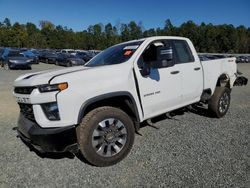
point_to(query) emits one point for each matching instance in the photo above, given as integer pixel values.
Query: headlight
(54, 87)
(51, 110)
(29, 60)
(12, 61)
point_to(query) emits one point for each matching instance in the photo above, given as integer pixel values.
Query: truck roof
(157, 38)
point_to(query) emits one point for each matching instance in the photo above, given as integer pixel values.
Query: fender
(107, 96)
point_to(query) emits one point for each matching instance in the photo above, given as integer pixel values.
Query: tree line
(207, 38)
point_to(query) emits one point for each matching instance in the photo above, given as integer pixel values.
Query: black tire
(86, 135)
(69, 64)
(219, 103)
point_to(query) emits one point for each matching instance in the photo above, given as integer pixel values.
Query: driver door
(160, 90)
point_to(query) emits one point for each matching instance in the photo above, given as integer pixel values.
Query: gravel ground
(190, 150)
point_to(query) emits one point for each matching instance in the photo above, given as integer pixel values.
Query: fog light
(51, 111)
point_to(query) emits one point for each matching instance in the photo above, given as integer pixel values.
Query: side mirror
(165, 53)
(165, 56)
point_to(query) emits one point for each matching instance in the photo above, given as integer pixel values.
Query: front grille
(27, 111)
(24, 90)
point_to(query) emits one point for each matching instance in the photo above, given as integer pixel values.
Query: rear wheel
(220, 101)
(105, 136)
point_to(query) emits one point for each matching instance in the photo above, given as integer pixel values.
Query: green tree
(125, 34)
(168, 27)
(134, 30)
(149, 33)
(206, 37)
(6, 22)
(31, 28)
(190, 30)
(44, 24)
(21, 35)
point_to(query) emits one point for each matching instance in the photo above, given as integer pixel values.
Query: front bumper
(19, 65)
(61, 139)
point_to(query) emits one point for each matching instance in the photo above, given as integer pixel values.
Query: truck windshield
(115, 54)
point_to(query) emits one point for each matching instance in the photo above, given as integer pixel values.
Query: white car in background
(69, 51)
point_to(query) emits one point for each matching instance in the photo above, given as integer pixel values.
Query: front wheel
(220, 101)
(105, 136)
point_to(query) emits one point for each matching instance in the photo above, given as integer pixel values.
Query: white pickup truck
(97, 108)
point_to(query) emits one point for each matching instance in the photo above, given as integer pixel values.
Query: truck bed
(213, 69)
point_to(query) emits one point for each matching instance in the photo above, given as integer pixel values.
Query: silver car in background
(17, 60)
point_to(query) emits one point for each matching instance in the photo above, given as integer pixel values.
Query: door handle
(175, 72)
(197, 68)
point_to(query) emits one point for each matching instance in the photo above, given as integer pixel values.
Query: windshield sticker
(128, 53)
(134, 47)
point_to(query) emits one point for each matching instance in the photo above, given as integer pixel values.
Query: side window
(182, 51)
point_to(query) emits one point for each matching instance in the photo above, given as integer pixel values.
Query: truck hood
(44, 77)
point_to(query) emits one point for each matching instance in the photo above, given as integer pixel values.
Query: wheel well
(223, 81)
(124, 103)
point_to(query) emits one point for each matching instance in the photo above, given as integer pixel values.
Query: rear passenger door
(190, 70)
